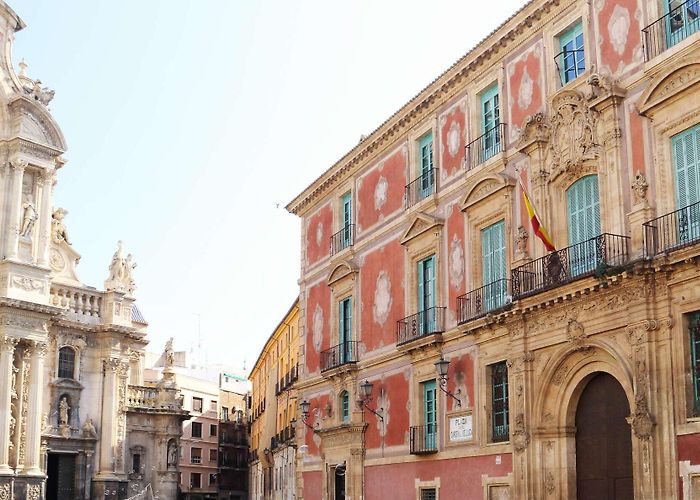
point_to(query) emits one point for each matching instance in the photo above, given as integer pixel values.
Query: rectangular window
(345, 329)
(196, 429)
(212, 479)
(428, 494)
(427, 320)
(212, 429)
(195, 480)
(683, 19)
(571, 60)
(493, 265)
(427, 176)
(197, 405)
(686, 159)
(429, 415)
(345, 406)
(499, 402)
(694, 325)
(212, 455)
(224, 414)
(490, 122)
(212, 405)
(136, 463)
(346, 237)
(196, 455)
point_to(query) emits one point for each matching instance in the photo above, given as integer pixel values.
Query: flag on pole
(537, 226)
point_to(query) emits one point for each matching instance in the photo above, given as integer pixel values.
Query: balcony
(423, 439)
(341, 354)
(484, 300)
(672, 231)
(343, 239)
(421, 188)
(671, 29)
(570, 65)
(419, 325)
(588, 258)
(485, 146)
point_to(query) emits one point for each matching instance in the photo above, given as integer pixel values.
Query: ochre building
(446, 353)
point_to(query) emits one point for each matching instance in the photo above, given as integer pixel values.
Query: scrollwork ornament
(34, 492)
(521, 437)
(8, 344)
(5, 491)
(18, 165)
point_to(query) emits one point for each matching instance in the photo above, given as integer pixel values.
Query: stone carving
(89, 429)
(521, 241)
(63, 409)
(121, 272)
(560, 374)
(521, 437)
(549, 483)
(572, 132)
(535, 128)
(34, 492)
(59, 232)
(7, 344)
(29, 216)
(26, 283)
(639, 189)
(172, 454)
(575, 333)
(169, 354)
(44, 95)
(675, 82)
(5, 491)
(18, 165)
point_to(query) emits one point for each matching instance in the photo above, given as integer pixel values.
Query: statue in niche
(63, 410)
(29, 216)
(172, 454)
(59, 232)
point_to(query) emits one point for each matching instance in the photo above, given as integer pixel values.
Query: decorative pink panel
(452, 126)
(313, 485)
(318, 320)
(380, 192)
(382, 295)
(455, 259)
(619, 34)
(637, 135)
(317, 411)
(391, 394)
(318, 234)
(525, 87)
(461, 377)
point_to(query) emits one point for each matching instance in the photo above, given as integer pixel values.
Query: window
(584, 223)
(570, 60)
(499, 402)
(490, 122)
(346, 212)
(196, 455)
(345, 329)
(428, 494)
(212, 429)
(429, 391)
(694, 324)
(493, 264)
(427, 174)
(224, 414)
(345, 406)
(136, 463)
(683, 19)
(196, 429)
(197, 405)
(686, 158)
(195, 480)
(212, 455)
(66, 362)
(426, 296)
(212, 405)
(212, 479)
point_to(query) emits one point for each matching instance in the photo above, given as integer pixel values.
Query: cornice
(427, 100)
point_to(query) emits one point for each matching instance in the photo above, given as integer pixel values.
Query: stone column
(7, 348)
(17, 166)
(46, 180)
(32, 461)
(108, 421)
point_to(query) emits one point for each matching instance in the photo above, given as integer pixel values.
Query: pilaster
(7, 349)
(44, 241)
(17, 167)
(33, 430)
(108, 421)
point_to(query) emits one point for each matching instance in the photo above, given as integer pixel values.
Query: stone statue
(58, 228)
(129, 266)
(521, 241)
(121, 272)
(29, 217)
(639, 189)
(169, 353)
(172, 454)
(42, 94)
(63, 411)
(89, 428)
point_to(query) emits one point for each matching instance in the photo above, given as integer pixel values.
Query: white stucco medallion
(382, 298)
(453, 138)
(526, 90)
(317, 327)
(380, 193)
(456, 263)
(618, 28)
(319, 233)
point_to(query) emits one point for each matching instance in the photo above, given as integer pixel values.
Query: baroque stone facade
(552, 355)
(76, 420)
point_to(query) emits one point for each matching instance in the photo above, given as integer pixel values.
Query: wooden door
(603, 442)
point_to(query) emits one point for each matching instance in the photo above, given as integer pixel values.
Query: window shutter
(430, 282)
(421, 296)
(348, 324)
(341, 322)
(686, 148)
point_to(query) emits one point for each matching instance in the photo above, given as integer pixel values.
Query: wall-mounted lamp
(366, 396)
(441, 366)
(305, 406)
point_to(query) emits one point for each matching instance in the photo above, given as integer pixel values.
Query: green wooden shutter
(493, 258)
(583, 213)
(686, 152)
(490, 119)
(341, 322)
(421, 282)
(427, 178)
(430, 414)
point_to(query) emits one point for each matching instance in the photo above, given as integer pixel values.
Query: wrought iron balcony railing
(427, 322)
(570, 65)
(678, 229)
(421, 188)
(589, 257)
(674, 27)
(485, 146)
(343, 239)
(481, 301)
(339, 355)
(424, 439)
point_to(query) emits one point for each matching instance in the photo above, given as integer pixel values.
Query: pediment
(35, 123)
(421, 224)
(343, 270)
(676, 80)
(67, 383)
(482, 186)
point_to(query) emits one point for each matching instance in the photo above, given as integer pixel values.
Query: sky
(191, 124)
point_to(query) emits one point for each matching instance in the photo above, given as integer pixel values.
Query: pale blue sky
(188, 122)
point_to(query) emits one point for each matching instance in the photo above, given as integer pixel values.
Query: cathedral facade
(76, 419)
(499, 285)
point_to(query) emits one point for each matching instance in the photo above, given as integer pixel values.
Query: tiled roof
(136, 315)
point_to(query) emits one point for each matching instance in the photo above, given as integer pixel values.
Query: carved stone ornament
(18, 164)
(535, 129)
(575, 333)
(521, 241)
(34, 492)
(7, 344)
(639, 189)
(121, 272)
(642, 423)
(521, 437)
(59, 232)
(573, 138)
(5, 491)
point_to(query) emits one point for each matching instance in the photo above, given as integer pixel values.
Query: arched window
(66, 362)
(345, 406)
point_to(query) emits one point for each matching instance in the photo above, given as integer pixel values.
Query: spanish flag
(537, 226)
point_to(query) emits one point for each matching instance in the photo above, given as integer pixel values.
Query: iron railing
(421, 188)
(485, 146)
(339, 355)
(570, 65)
(287, 380)
(672, 28)
(427, 322)
(343, 239)
(672, 231)
(593, 256)
(695, 362)
(424, 439)
(481, 301)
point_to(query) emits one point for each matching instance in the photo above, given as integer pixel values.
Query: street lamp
(366, 396)
(305, 406)
(441, 366)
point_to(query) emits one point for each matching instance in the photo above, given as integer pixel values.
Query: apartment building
(232, 480)
(499, 285)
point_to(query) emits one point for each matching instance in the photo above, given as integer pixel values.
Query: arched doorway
(603, 441)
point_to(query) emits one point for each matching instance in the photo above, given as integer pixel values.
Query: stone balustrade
(153, 398)
(83, 303)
